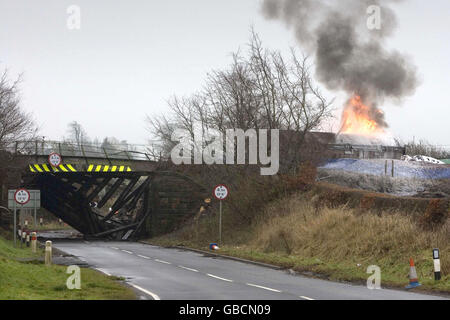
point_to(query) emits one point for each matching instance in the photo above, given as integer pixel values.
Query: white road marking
(213, 276)
(306, 298)
(154, 296)
(103, 271)
(186, 268)
(162, 261)
(261, 287)
(145, 257)
(114, 248)
(129, 252)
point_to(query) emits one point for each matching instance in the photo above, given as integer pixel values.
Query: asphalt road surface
(174, 274)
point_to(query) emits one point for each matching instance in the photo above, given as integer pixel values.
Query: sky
(129, 57)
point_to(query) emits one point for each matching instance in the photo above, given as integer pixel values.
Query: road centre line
(213, 276)
(186, 268)
(306, 298)
(129, 252)
(261, 287)
(162, 261)
(145, 257)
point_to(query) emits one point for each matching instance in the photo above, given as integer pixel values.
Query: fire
(357, 118)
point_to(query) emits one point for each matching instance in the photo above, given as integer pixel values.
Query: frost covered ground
(410, 178)
(402, 169)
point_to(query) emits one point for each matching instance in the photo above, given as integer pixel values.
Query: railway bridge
(108, 192)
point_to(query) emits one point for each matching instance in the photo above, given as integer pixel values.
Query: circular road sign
(221, 192)
(54, 159)
(22, 196)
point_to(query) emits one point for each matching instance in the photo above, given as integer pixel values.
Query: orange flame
(356, 119)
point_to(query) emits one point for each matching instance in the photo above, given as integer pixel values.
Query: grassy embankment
(300, 231)
(23, 277)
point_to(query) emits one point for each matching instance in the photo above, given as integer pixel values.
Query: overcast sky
(129, 57)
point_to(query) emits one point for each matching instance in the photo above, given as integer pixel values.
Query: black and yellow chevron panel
(106, 168)
(48, 168)
(42, 168)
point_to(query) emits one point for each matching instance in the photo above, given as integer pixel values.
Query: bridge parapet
(82, 155)
(73, 150)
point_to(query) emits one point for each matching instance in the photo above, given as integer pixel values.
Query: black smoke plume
(348, 55)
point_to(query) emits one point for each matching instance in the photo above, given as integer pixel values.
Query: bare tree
(77, 134)
(260, 90)
(15, 124)
(425, 148)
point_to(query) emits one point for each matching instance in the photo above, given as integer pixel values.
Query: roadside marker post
(48, 253)
(437, 265)
(220, 193)
(33, 242)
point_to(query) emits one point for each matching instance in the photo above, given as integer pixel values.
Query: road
(175, 274)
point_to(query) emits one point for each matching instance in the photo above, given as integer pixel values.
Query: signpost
(54, 159)
(23, 199)
(220, 193)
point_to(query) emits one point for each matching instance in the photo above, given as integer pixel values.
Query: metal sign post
(220, 193)
(23, 199)
(15, 226)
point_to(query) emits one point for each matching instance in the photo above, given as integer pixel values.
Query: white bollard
(33, 242)
(48, 253)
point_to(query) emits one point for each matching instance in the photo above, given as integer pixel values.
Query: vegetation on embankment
(304, 231)
(52, 226)
(24, 277)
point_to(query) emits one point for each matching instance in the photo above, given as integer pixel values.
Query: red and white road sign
(54, 159)
(22, 196)
(221, 192)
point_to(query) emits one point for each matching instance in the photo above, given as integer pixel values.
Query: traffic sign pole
(221, 193)
(220, 223)
(15, 227)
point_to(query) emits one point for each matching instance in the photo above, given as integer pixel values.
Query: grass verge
(33, 280)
